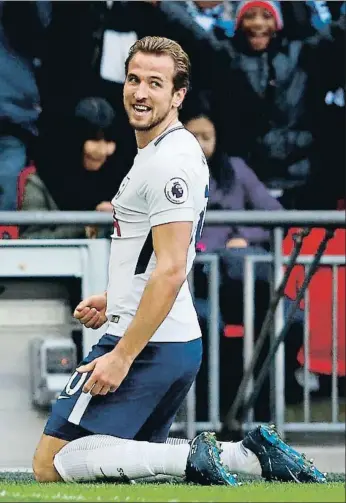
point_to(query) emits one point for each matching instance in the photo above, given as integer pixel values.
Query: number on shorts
(71, 390)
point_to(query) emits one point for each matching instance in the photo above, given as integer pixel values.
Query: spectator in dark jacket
(59, 163)
(81, 173)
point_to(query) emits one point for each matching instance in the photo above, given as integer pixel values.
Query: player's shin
(105, 457)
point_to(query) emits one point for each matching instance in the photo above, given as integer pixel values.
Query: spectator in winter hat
(259, 21)
(266, 109)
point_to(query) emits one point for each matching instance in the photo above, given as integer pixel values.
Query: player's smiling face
(149, 96)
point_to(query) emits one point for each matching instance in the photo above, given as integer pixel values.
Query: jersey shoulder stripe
(160, 138)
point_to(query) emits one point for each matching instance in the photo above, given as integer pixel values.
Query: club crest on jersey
(176, 191)
(122, 187)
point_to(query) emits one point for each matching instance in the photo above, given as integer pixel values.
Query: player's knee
(44, 472)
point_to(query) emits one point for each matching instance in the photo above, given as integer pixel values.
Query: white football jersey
(168, 182)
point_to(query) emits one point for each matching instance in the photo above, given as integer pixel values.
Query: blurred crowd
(267, 105)
(268, 82)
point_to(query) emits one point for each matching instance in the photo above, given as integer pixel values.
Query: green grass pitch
(250, 491)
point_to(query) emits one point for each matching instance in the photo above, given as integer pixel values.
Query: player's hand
(108, 372)
(91, 312)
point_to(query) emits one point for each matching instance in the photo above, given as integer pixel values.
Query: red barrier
(320, 295)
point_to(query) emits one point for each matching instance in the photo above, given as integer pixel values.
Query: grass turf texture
(168, 492)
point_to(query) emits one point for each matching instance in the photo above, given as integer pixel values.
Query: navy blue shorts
(142, 408)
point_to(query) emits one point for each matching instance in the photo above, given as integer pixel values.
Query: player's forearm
(156, 302)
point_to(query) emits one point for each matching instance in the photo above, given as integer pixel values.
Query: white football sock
(234, 455)
(104, 456)
(240, 459)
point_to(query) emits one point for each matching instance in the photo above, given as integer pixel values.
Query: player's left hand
(108, 372)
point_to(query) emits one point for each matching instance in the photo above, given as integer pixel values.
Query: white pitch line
(16, 470)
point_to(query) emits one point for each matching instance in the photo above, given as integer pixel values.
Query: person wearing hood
(76, 171)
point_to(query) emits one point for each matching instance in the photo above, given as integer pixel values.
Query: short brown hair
(162, 45)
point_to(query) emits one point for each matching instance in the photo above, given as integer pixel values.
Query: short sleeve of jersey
(169, 193)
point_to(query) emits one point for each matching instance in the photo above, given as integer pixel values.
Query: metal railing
(307, 425)
(277, 221)
(282, 218)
